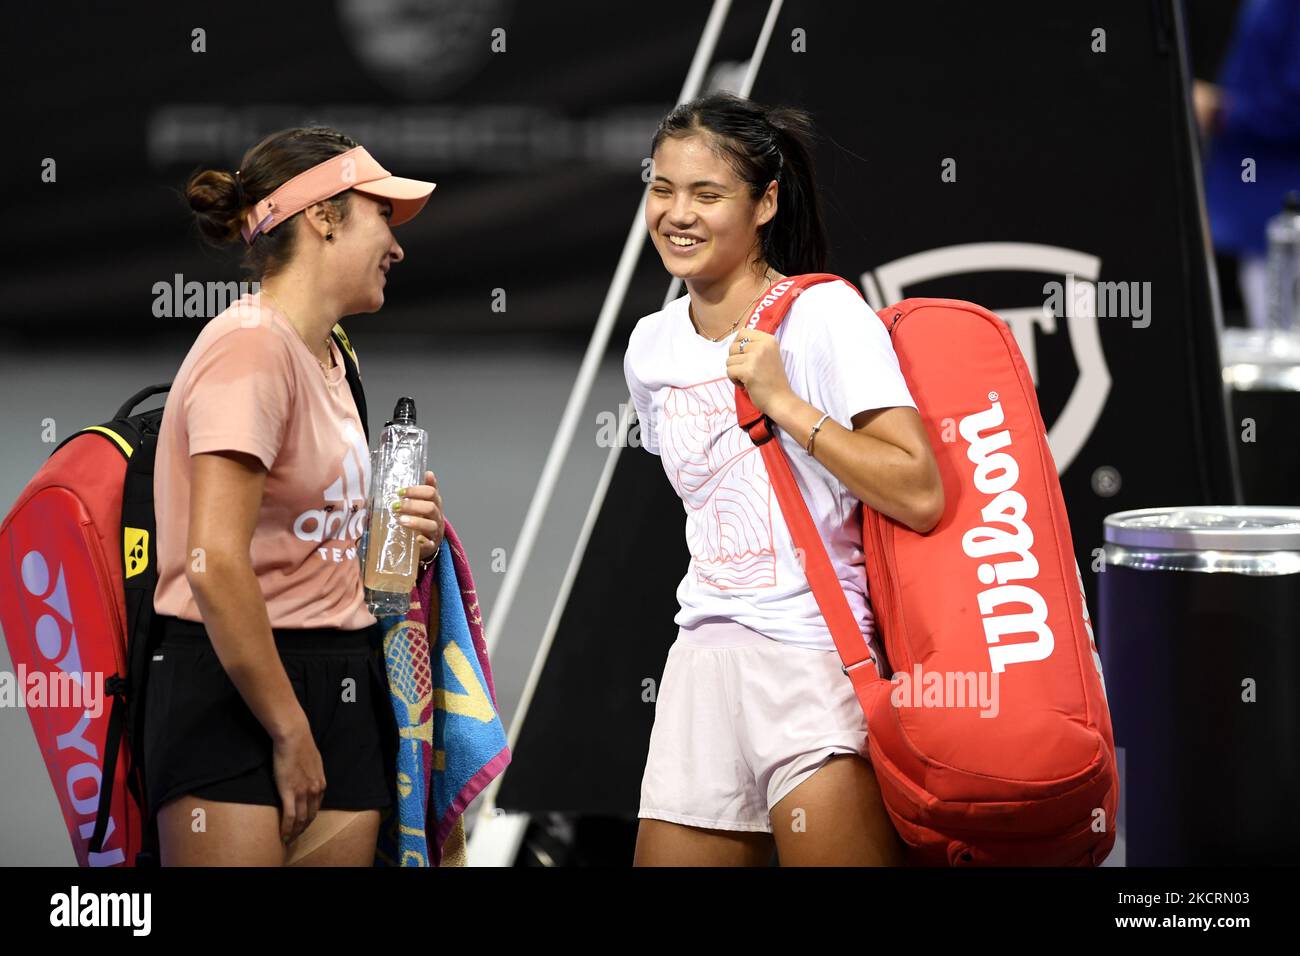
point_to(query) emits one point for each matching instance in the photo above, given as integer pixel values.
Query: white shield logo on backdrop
(1068, 434)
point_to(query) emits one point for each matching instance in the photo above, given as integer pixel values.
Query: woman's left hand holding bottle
(421, 509)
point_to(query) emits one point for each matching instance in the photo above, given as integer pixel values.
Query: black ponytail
(762, 144)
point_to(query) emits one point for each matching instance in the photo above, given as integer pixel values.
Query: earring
(329, 235)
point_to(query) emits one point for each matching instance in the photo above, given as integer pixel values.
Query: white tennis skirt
(741, 720)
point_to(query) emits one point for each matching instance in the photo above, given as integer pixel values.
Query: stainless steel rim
(1222, 528)
(1254, 563)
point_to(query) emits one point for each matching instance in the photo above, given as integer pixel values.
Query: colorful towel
(452, 742)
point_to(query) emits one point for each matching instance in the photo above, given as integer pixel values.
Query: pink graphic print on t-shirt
(720, 476)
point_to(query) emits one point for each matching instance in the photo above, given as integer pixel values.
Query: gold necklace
(690, 312)
(329, 351)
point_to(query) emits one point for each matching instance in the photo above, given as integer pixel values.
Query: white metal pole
(497, 835)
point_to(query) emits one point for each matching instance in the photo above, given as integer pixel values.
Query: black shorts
(200, 737)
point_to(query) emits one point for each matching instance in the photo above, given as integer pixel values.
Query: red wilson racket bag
(992, 743)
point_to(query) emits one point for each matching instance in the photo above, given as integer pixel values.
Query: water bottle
(1284, 266)
(390, 557)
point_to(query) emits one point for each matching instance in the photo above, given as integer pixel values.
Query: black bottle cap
(403, 412)
(1292, 203)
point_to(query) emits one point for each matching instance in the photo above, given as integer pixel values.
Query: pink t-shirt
(250, 384)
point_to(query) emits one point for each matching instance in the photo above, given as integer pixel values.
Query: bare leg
(836, 818)
(337, 838)
(197, 832)
(660, 843)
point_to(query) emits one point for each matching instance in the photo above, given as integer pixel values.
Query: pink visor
(355, 169)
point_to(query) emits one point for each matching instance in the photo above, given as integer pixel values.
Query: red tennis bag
(992, 742)
(69, 557)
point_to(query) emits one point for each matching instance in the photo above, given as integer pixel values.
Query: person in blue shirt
(1253, 114)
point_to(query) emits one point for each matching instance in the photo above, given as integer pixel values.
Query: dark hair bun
(215, 198)
(220, 199)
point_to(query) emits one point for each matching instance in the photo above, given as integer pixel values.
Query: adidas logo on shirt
(342, 517)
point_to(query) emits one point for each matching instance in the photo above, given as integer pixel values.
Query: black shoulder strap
(354, 376)
(140, 578)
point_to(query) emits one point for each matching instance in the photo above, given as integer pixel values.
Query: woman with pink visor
(268, 735)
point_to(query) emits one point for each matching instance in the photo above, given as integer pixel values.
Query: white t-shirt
(837, 357)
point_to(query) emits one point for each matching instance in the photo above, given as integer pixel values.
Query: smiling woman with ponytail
(759, 741)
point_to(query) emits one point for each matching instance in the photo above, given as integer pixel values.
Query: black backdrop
(1083, 160)
(536, 150)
